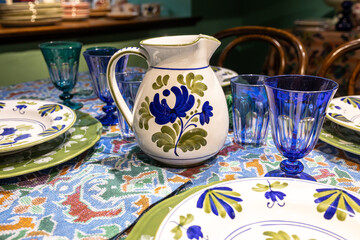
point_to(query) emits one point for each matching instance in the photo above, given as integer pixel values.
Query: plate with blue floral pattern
(84, 134)
(256, 208)
(345, 111)
(224, 75)
(26, 123)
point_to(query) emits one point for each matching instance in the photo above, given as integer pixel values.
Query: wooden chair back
(275, 37)
(336, 54)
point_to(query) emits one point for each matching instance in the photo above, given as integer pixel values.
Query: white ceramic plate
(265, 208)
(26, 123)
(224, 75)
(345, 111)
(41, 22)
(121, 16)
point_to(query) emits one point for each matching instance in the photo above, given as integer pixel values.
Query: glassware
(128, 83)
(62, 60)
(97, 60)
(298, 106)
(250, 109)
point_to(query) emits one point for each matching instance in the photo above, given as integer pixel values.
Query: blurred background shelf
(91, 26)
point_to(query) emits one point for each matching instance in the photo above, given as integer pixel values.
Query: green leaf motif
(193, 83)
(281, 235)
(144, 113)
(183, 221)
(2, 105)
(340, 117)
(49, 108)
(52, 130)
(165, 139)
(160, 82)
(333, 201)
(353, 101)
(193, 139)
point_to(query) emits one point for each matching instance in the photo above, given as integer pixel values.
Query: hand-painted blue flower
(220, 200)
(164, 114)
(206, 113)
(274, 195)
(21, 137)
(333, 200)
(194, 232)
(8, 131)
(21, 106)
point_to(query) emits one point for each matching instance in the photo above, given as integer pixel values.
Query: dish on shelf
(122, 15)
(345, 111)
(41, 11)
(340, 137)
(224, 75)
(27, 5)
(254, 208)
(31, 17)
(26, 123)
(82, 135)
(41, 22)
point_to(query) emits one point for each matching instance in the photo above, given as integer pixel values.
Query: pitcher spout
(208, 45)
(186, 51)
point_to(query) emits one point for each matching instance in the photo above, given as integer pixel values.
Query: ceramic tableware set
(73, 11)
(36, 134)
(342, 126)
(30, 14)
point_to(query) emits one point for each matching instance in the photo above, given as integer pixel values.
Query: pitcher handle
(112, 83)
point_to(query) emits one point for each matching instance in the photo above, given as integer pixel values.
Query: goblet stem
(292, 168)
(66, 98)
(110, 118)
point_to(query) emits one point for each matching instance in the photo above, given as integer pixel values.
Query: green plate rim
(64, 157)
(335, 142)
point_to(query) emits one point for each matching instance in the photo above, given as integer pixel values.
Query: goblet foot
(109, 119)
(66, 97)
(72, 105)
(280, 173)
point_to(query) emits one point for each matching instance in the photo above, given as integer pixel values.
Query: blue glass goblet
(297, 110)
(97, 60)
(62, 60)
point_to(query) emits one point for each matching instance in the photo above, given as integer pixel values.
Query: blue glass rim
(130, 73)
(271, 79)
(61, 45)
(100, 52)
(235, 80)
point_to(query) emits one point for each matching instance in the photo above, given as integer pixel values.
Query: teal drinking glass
(62, 60)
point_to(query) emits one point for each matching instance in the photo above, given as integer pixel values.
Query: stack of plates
(99, 12)
(35, 135)
(313, 24)
(342, 127)
(30, 14)
(76, 10)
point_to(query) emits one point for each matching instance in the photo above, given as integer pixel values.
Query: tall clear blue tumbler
(97, 60)
(297, 106)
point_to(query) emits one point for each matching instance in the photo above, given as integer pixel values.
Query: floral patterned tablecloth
(99, 194)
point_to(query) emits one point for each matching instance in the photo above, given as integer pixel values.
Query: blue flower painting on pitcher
(185, 132)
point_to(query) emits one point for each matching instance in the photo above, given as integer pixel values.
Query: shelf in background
(91, 26)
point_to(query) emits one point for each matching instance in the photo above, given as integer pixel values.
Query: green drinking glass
(62, 60)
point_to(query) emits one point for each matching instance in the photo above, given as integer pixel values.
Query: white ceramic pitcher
(180, 116)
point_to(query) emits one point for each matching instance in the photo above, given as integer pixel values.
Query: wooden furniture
(276, 37)
(338, 53)
(92, 26)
